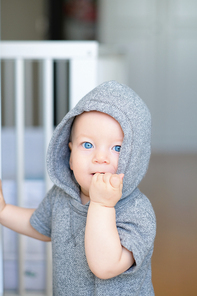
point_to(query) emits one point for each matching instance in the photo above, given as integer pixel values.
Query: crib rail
(82, 57)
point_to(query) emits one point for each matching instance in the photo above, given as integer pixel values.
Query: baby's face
(95, 147)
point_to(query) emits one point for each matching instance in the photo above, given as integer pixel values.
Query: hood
(124, 105)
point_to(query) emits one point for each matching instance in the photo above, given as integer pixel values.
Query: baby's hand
(106, 189)
(2, 201)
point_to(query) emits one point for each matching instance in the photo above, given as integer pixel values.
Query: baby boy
(101, 226)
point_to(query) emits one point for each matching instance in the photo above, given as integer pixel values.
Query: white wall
(160, 37)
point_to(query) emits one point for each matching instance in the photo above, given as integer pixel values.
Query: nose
(100, 157)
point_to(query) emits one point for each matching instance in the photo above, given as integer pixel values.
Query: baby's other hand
(106, 189)
(2, 201)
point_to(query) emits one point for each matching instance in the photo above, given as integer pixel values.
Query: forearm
(105, 255)
(18, 219)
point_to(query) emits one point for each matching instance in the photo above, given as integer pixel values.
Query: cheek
(115, 162)
(77, 162)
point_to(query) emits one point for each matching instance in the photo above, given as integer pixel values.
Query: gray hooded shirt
(62, 216)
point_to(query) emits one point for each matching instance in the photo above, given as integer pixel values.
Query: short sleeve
(42, 216)
(136, 224)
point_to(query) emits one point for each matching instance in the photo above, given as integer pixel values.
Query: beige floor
(171, 186)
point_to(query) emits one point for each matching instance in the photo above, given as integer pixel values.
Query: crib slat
(81, 71)
(8, 93)
(48, 128)
(19, 117)
(48, 107)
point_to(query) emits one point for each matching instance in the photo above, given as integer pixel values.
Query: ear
(70, 145)
(70, 160)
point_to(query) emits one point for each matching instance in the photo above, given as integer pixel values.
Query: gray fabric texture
(62, 217)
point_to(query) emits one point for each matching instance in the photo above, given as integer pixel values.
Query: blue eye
(117, 148)
(87, 145)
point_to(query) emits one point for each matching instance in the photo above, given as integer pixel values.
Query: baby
(95, 147)
(101, 226)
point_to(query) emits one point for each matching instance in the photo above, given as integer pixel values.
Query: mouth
(97, 173)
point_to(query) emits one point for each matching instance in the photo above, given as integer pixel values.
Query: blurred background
(151, 45)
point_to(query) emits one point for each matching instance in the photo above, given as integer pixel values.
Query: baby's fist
(106, 189)
(116, 180)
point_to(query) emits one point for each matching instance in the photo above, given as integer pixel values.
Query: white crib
(82, 59)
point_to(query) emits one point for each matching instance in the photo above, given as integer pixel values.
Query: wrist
(101, 204)
(98, 212)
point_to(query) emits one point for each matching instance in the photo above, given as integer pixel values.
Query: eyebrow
(89, 137)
